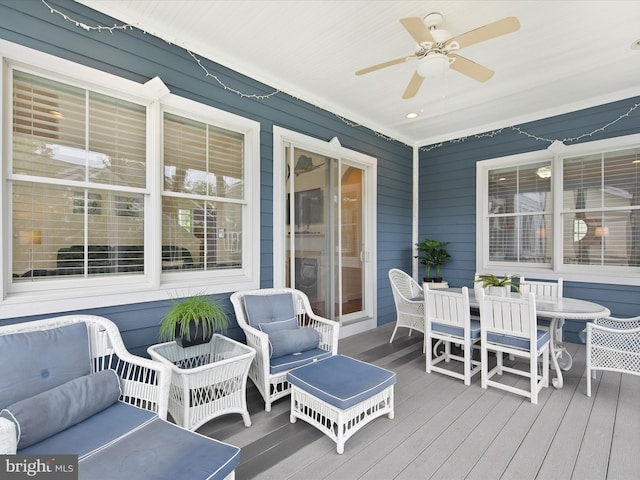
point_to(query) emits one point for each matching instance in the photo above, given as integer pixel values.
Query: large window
(118, 192)
(78, 182)
(573, 213)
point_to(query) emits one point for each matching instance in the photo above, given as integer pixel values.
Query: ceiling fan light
(433, 65)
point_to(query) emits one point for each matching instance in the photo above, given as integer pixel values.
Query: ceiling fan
(436, 47)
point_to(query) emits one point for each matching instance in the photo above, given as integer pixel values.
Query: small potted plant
(193, 320)
(432, 254)
(499, 286)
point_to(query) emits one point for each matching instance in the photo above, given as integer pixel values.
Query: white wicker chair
(408, 297)
(275, 386)
(613, 344)
(448, 319)
(509, 326)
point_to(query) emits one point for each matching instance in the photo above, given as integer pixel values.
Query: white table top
(568, 308)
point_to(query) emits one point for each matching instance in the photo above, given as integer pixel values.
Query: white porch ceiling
(566, 56)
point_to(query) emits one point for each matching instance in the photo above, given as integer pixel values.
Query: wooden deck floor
(444, 430)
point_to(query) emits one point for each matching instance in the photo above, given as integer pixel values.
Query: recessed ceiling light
(412, 115)
(502, 179)
(635, 45)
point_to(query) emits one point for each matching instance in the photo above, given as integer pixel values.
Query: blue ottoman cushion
(341, 381)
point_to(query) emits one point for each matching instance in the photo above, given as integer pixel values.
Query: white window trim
(555, 153)
(154, 285)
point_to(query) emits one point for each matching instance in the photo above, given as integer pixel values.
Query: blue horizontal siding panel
(448, 203)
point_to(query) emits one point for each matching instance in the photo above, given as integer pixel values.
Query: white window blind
(204, 199)
(519, 213)
(601, 209)
(78, 181)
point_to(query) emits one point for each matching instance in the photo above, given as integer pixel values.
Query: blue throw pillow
(286, 342)
(37, 361)
(271, 327)
(55, 410)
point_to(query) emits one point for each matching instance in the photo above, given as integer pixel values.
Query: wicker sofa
(69, 386)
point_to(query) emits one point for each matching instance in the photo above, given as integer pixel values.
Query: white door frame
(369, 164)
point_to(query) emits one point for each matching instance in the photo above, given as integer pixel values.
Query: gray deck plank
(443, 430)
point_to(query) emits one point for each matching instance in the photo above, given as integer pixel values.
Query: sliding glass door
(326, 252)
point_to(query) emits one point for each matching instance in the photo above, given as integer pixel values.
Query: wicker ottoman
(339, 395)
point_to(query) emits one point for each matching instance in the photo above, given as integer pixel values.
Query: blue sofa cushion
(341, 381)
(518, 342)
(123, 442)
(287, 362)
(101, 429)
(268, 308)
(457, 331)
(286, 342)
(271, 327)
(50, 412)
(33, 362)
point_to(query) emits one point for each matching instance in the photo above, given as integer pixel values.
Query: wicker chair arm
(328, 330)
(8, 437)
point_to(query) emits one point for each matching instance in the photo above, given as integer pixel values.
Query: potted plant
(432, 254)
(193, 320)
(499, 286)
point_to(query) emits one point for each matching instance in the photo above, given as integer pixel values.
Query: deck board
(443, 430)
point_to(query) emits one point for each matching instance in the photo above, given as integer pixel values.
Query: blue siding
(137, 56)
(447, 187)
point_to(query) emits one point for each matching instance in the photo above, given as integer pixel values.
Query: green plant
(200, 311)
(432, 254)
(490, 280)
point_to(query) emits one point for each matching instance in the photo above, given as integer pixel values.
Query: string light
(491, 134)
(536, 137)
(101, 28)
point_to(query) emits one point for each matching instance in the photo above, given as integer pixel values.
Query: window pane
(519, 211)
(202, 159)
(201, 235)
(48, 128)
(601, 209)
(49, 226)
(117, 134)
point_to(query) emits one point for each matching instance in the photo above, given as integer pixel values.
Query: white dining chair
(448, 320)
(613, 344)
(407, 295)
(509, 326)
(552, 290)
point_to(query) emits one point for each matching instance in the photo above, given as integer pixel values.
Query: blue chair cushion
(518, 342)
(287, 362)
(50, 412)
(268, 308)
(34, 362)
(341, 381)
(474, 331)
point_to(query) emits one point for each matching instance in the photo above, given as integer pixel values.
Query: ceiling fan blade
(470, 68)
(489, 31)
(384, 65)
(414, 85)
(417, 29)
